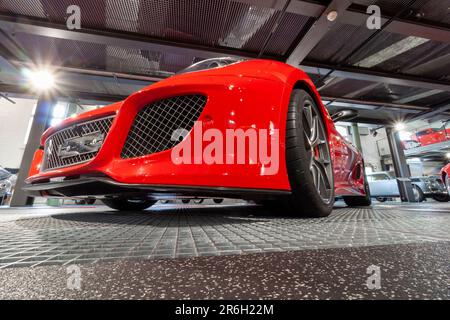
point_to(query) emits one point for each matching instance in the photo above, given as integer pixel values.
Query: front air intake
(154, 124)
(75, 144)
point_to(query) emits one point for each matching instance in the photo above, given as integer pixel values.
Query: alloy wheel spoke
(308, 113)
(321, 167)
(318, 152)
(314, 134)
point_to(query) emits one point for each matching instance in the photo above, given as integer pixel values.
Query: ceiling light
(332, 15)
(399, 126)
(41, 80)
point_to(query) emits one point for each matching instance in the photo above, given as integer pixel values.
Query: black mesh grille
(154, 125)
(52, 160)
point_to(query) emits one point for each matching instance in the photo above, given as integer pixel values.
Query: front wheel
(122, 204)
(360, 201)
(441, 197)
(308, 158)
(418, 194)
(217, 200)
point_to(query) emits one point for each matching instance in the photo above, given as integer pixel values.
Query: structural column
(400, 166)
(356, 136)
(40, 122)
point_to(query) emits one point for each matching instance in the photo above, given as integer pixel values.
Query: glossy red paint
(431, 136)
(247, 94)
(445, 172)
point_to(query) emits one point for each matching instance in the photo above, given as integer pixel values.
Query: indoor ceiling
(398, 72)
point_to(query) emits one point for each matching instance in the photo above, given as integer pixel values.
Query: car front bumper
(233, 102)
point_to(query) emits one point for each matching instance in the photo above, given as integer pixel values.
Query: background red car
(431, 136)
(445, 175)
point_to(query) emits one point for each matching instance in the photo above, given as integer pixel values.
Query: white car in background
(7, 183)
(383, 185)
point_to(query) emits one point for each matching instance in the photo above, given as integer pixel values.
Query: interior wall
(14, 125)
(369, 147)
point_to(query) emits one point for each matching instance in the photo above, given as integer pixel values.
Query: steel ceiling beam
(374, 76)
(102, 73)
(418, 96)
(362, 90)
(318, 30)
(428, 65)
(23, 92)
(372, 105)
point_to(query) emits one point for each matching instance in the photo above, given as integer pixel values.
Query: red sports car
(253, 129)
(431, 136)
(445, 175)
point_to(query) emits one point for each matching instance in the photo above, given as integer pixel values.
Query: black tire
(216, 200)
(441, 197)
(420, 196)
(305, 199)
(447, 183)
(90, 201)
(185, 201)
(381, 199)
(360, 201)
(123, 204)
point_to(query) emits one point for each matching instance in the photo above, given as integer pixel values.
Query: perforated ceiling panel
(338, 43)
(389, 7)
(434, 11)
(216, 23)
(343, 87)
(434, 99)
(292, 27)
(389, 93)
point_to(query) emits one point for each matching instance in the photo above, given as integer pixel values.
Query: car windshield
(378, 177)
(4, 174)
(427, 131)
(210, 64)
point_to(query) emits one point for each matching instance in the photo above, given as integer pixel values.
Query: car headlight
(5, 186)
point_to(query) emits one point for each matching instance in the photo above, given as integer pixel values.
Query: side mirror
(344, 115)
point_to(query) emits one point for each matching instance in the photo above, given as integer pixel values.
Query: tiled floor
(95, 234)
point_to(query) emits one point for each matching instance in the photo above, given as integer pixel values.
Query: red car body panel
(250, 94)
(445, 172)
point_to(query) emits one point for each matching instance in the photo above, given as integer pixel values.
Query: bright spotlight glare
(41, 80)
(400, 126)
(447, 155)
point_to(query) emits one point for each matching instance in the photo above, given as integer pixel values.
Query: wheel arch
(308, 86)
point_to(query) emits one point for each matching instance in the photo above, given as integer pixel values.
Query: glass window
(378, 177)
(4, 174)
(59, 113)
(210, 64)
